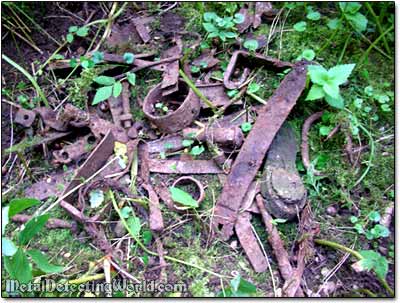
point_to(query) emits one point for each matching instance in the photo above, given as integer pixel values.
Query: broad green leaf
(103, 93)
(313, 16)
(232, 93)
(316, 92)
(239, 288)
(340, 73)
(376, 262)
(147, 236)
(338, 103)
(195, 69)
(300, 26)
(4, 218)
(209, 27)
(230, 34)
(42, 262)
(131, 77)
(358, 102)
(18, 267)
(87, 63)
(8, 247)
(239, 18)
(308, 54)
(222, 36)
(359, 228)
(324, 130)
(72, 29)
(246, 127)
(82, 31)
(97, 57)
(374, 216)
(251, 44)
(209, 16)
(125, 211)
(19, 204)
(129, 58)
(32, 227)
(73, 62)
(331, 89)
(353, 219)
(253, 87)
(334, 23)
(380, 231)
(96, 198)
(70, 38)
(182, 197)
(117, 89)
(213, 34)
(358, 21)
(104, 80)
(197, 150)
(134, 225)
(187, 143)
(318, 74)
(350, 7)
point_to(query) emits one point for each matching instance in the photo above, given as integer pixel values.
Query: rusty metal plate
(25, 117)
(252, 153)
(184, 167)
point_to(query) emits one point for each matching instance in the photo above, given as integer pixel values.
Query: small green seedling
(110, 88)
(78, 31)
(300, 26)
(161, 108)
(197, 150)
(246, 127)
(223, 28)
(251, 45)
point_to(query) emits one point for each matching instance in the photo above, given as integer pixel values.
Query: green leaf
(145, 259)
(359, 228)
(300, 26)
(246, 127)
(239, 288)
(197, 150)
(358, 102)
(213, 34)
(349, 7)
(253, 87)
(195, 69)
(380, 231)
(278, 221)
(131, 77)
(129, 58)
(73, 62)
(4, 218)
(104, 80)
(374, 216)
(318, 74)
(87, 63)
(117, 89)
(369, 90)
(251, 45)
(239, 18)
(338, 103)
(32, 227)
(134, 225)
(376, 262)
(331, 89)
(147, 236)
(232, 93)
(18, 267)
(42, 262)
(182, 197)
(209, 16)
(340, 73)
(96, 198)
(353, 219)
(209, 27)
(316, 92)
(97, 57)
(324, 130)
(187, 143)
(70, 38)
(358, 21)
(385, 108)
(334, 24)
(103, 93)
(8, 247)
(72, 29)
(19, 204)
(82, 31)
(313, 16)
(308, 54)
(230, 34)
(125, 211)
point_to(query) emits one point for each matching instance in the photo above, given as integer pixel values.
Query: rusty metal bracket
(253, 151)
(246, 60)
(184, 167)
(24, 117)
(75, 151)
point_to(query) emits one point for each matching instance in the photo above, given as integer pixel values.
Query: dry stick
(24, 39)
(378, 23)
(305, 156)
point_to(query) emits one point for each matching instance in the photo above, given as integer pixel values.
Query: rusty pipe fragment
(225, 136)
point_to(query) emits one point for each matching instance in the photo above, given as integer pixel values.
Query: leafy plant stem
(330, 38)
(257, 98)
(375, 47)
(51, 57)
(30, 78)
(353, 253)
(196, 90)
(86, 279)
(24, 164)
(366, 53)
(146, 250)
(379, 25)
(344, 48)
(107, 30)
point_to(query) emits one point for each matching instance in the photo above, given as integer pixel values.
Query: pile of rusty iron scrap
(233, 155)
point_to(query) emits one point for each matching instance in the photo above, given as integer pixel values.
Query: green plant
(223, 28)
(78, 31)
(197, 150)
(246, 127)
(350, 11)
(312, 15)
(300, 26)
(326, 83)
(129, 58)
(238, 287)
(161, 108)
(365, 228)
(17, 257)
(251, 45)
(307, 54)
(110, 88)
(182, 197)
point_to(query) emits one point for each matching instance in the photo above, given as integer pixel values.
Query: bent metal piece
(184, 167)
(253, 151)
(246, 60)
(183, 116)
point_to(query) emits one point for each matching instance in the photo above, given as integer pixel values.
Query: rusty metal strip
(184, 167)
(252, 153)
(249, 243)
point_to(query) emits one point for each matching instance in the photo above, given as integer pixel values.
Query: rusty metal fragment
(169, 83)
(50, 118)
(249, 242)
(206, 60)
(170, 143)
(245, 60)
(232, 136)
(75, 116)
(51, 186)
(156, 221)
(214, 92)
(184, 167)
(100, 127)
(262, 8)
(253, 151)
(142, 28)
(191, 180)
(248, 20)
(24, 117)
(188, 108)
(75, 151)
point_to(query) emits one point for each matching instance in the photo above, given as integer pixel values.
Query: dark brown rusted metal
(215, 92)
(232, 136)
(171, 143)
(48, 187)
(253, 151)
(183, 116)
(75, 151)
(249, 242)
(169, 83)
(184, 167)
(25, 117)
(245, 60)
(50, 118)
